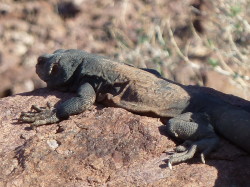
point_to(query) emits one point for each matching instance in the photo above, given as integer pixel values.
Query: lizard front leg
(40, 116)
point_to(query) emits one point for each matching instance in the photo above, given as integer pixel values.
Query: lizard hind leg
(197, 133)
(205, 146)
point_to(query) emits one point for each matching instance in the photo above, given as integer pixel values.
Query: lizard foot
(174, 158)
(187, 150)
(39, 115)
(178, 157)
(183, 147)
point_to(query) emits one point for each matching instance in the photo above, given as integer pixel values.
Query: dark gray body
(98, 79)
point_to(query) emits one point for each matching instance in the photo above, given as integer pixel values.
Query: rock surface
(102, 147)
(116, 29)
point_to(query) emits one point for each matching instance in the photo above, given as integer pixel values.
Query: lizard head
(57, 68)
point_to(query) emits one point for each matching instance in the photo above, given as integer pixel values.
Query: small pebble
(53, 144)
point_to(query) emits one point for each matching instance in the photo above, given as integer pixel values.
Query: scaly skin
(197, 116)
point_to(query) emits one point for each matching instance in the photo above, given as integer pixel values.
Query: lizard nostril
(44, 58)
(40, 60)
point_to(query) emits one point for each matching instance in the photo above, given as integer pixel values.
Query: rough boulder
(102, 147)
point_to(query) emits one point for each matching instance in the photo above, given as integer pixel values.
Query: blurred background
(194, 42)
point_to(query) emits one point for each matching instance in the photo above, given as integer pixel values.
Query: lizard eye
(54, 69)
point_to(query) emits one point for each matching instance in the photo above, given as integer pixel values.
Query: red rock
(102, 147)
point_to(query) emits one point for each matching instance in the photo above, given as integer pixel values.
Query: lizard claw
(49, 105)
(170, 165)
(40, 109)
(203, 158)
(39, 115)
(36, 108)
